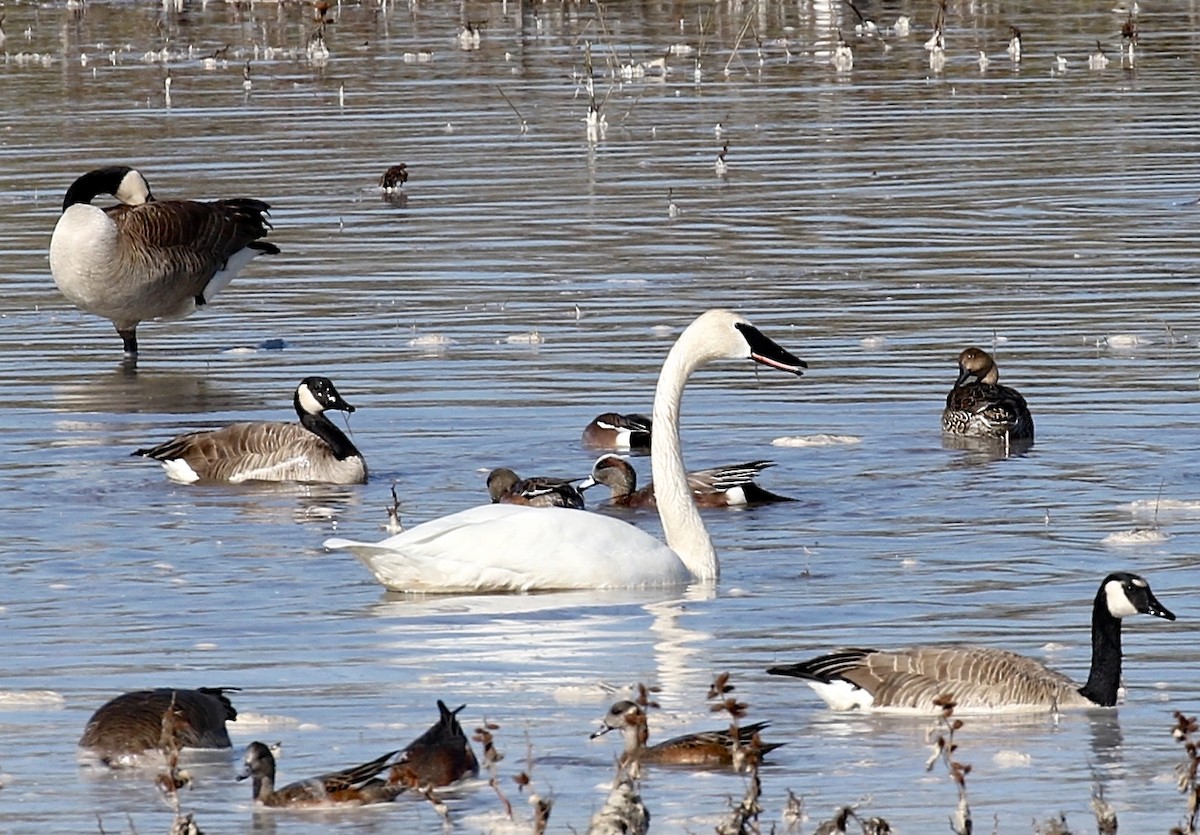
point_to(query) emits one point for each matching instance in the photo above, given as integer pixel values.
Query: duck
(612, 430)
(355, 786)
(979, 407)
(132, 723)
(506, 487)
(313, 450)
(391, 180)
(715, 487)
(440, 756)
(706, 749)
(514, 548)
(981, 679)
(146, 258)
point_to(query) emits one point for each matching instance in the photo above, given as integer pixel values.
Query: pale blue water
(874, 222)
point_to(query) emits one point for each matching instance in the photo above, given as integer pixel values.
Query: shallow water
(874, 221)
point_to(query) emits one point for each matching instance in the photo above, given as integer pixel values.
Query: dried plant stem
(1185, 773)
(944, 748)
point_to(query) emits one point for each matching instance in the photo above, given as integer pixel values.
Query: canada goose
(355, 786)
(313, 450)
(615, 431)
(977, 678)
(501, 547)
(506, 487)
(979, 407)
(440, 756)
(706, 749)
(132, 723)
(715, 487)
(147, 258)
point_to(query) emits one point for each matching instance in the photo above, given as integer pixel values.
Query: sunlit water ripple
(874, 221)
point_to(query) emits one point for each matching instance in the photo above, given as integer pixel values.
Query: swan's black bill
(764, 350)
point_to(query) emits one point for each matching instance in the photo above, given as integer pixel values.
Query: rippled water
(874, 221)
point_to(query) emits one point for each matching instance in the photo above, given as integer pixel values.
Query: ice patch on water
(28, 699)
(1137, 536)
(1011, 759)
(1151, 508)
(816, 440)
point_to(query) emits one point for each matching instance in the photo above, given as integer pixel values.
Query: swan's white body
(527, 548)
(507, 548)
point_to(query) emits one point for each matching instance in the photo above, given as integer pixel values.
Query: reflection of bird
(614, 431)
(147, 258)
(981, 679)
(979, 407)
(132, 723)
(721, 166)
(313, 450)
(714, 487)
(706, 749)
(440, 756)
(512, 548)
(356, 786)
(394, 178)
(506, 487)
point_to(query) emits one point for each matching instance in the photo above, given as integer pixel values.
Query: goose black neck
(324, 429)
(1105, 676)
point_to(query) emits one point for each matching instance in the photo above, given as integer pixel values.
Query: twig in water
(520, 118)
(737, 44)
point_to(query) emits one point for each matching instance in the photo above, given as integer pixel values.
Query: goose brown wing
(240, 448)
(188, 241)
(974, 677)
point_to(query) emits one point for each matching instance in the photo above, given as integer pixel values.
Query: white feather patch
(842, 695)
(180, 470)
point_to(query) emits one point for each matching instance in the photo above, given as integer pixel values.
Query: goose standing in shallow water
(313, 450)
(132, 723)
(981, 679)
(500, 547)
(355, 786)
(731, 486)
(979, 407)
(146, 258)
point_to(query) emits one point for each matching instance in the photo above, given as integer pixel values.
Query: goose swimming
(981, 679)
(515, 548)
(149, 259)
(313, 450)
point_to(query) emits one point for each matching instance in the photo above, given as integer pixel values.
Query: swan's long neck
(685, 531)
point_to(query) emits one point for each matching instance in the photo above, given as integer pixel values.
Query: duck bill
(766, 351)
(585, 484)
(963, 376)
(601, 731)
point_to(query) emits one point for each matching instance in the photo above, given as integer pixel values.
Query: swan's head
(723, 334)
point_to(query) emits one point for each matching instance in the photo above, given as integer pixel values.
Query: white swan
(507, 548)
